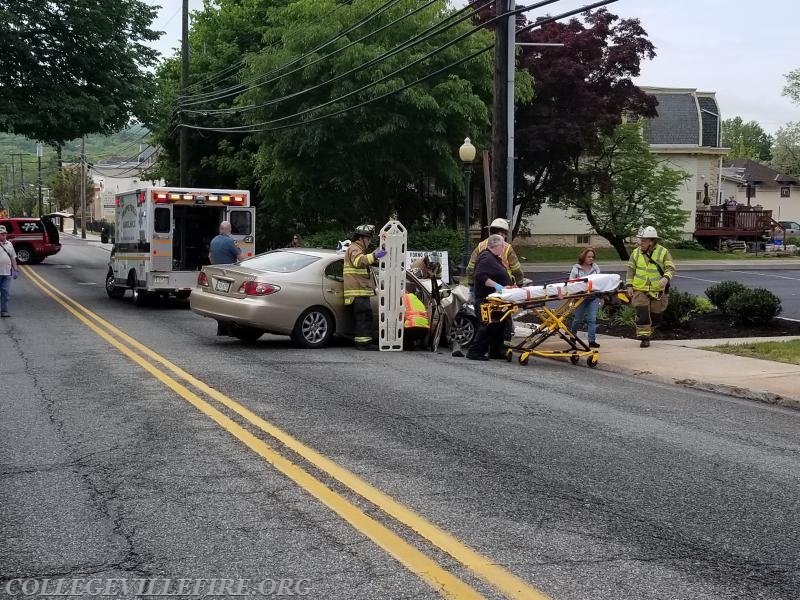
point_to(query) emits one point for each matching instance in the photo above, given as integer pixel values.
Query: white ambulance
(162, 236)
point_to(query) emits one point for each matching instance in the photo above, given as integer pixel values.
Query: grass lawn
(787, 352)
(566, 254)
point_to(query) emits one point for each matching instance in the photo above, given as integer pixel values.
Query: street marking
(696, 278)
(767, 275)
(418, 563)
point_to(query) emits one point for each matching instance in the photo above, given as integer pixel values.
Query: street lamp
(467, 154)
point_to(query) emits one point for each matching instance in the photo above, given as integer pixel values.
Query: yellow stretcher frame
(551, 323)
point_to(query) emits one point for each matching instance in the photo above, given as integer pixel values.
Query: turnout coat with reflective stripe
(357, 281)
(643, 273)
(509, 260)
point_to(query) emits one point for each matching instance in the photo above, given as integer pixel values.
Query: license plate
(222, 286)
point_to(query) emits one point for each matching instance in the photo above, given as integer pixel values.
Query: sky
(739, 49)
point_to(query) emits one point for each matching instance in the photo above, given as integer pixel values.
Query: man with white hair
(491, 275)
(8, 270)
(223, 249)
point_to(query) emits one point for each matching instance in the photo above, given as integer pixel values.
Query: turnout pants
(649, 312)
(362, 320)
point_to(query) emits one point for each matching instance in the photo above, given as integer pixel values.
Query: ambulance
(162, 237)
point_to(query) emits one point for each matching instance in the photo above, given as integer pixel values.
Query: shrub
(680, 308)
(439, 238)
(687, 245)
(326, 239)
(624, 315)
(702, 306)
(720, 292)
(753, 305)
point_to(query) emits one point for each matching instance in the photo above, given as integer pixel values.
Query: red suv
(33, 239)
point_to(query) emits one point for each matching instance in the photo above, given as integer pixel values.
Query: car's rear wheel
(25, 254)
(113, 290)
(246, 334)
(314, 328)
(462, 330)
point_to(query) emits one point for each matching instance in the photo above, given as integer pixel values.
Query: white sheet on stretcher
(599, 283)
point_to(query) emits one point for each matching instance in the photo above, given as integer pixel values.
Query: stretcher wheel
(574, 358)
(592, 361)
(509, 355)
(523, 358)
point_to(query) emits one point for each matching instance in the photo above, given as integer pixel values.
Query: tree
(792, 88)
(65, 188)
(786, 149)
(624, 187)
(746, 140)
(582, 91)
(74, 67)
(312, 168)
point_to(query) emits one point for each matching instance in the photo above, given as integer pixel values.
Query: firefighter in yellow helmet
(650, 270)
(358, 283)
(510, 261)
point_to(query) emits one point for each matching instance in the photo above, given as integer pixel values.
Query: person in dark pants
(490, 276)
(358, 284)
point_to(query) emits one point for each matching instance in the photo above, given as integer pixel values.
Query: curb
(762, 396)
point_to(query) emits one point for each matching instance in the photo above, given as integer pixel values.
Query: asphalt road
(784, 283)
(577, 483)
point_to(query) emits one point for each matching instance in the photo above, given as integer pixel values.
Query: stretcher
(565, 296)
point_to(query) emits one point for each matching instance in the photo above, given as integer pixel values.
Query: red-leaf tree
(581, 91)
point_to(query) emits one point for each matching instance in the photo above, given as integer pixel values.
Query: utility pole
(184, 132)
(83, 189)
(500, 112)
(511, 66)
(39, 178)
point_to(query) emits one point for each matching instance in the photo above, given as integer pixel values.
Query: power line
(257, 127)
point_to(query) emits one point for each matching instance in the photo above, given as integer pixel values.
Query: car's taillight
(202, 279)
(255, 288)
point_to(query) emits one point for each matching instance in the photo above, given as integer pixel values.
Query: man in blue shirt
(223, 250)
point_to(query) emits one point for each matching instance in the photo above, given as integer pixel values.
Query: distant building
(118, 174)
(686, 136)
(751, 183)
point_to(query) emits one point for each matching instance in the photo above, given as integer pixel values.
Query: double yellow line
(419, 563)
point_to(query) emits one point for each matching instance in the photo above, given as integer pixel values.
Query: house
(685, 136)
(752, 184)
(118, 174)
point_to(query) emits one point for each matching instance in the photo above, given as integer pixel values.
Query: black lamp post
(467, 154)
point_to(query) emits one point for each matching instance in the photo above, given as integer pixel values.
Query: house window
(583, 239)
(785, 192)
(698, 195)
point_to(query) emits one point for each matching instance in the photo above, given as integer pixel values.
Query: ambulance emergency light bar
(169, 197)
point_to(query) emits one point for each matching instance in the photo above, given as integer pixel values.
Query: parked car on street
(297, 292)
(792, 228)
(33, 239)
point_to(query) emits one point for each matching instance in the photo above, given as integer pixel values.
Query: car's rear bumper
(242, 311)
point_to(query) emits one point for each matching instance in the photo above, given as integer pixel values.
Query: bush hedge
(753, 306)
(720, 292)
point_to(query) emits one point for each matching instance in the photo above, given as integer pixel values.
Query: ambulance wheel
(113, 290)
(314, 328)
(523, 359)
(140, 297)
(574, 358)
(592, 361)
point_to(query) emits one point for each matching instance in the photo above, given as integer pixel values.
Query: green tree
(74, 67)
(624, 187)
(786, 149)
(746, 140)
(792, 88)
(65, 189)
(311, 169)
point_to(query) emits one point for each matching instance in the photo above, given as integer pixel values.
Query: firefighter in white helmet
(510, 261)
(650, 270)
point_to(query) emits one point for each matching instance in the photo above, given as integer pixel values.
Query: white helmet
(342, 246)
(648, 233)
(499, 224)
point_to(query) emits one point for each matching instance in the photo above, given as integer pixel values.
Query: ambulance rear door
(243, 223)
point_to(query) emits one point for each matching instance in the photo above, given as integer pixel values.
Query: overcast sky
(739, 49)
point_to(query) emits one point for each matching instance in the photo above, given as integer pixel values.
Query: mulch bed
(709, 326)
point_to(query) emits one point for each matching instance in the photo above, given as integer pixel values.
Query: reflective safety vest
(416, 313)
(643, 273)
(357, 281)
(509, 260)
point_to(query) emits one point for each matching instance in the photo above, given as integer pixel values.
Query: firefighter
(358, 284)
(510, 261)
(650, 270)
(416, 324)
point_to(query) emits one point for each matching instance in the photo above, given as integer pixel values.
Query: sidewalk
(682, 362)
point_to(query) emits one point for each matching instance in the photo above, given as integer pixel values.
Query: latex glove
(379, 253)
(498, 288)
(663, 282)
(14, 273)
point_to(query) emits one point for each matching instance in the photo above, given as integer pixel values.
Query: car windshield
(280, 261)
